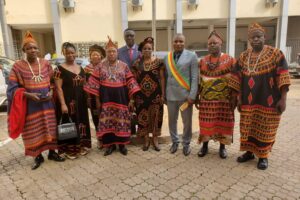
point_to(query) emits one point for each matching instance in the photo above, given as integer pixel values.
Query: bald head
(178, 42)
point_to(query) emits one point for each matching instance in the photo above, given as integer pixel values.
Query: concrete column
(178, 16)
(170, 34)
(124, 14)
(210, 28)
(6, 33)
(282, 26)
(154, 23)
(231, 28)
(56, 26)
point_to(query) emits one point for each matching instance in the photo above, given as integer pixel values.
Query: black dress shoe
(186, 150)
(262, 163)
(245, 157)
(37, 162)
(123, 150)
(174, 148)
(109, 150)
(156, 148)
(54, 156)
(222, 153)
(203, 151)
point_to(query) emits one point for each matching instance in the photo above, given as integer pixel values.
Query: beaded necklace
(253, 69)
(36, 78)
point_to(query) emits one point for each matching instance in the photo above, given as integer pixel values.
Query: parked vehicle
(5, 66)
(58, 61)
(294, 68)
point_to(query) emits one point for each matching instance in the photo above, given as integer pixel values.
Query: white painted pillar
(282, 26)
(231, 28)
(56, 26)
(178, 16)
(124, 14)
(6, 33)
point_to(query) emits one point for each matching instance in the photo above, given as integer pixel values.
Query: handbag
(67, 130)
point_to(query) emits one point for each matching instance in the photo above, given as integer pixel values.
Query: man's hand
(190, 101)
(281, 106)
(33, 96)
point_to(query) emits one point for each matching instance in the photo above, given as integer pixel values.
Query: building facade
(90, 21)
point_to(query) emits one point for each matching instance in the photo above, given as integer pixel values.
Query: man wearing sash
(182, 85)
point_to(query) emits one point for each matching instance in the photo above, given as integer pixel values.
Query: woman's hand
(88, 102)
(64, 108)
(131, 106)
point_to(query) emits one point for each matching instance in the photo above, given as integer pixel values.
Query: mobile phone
(43, 96)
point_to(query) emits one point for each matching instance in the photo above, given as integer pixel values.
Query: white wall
(92, 21)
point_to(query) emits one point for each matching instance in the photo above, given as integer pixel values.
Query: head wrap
(255, 27)
(110, 44)
(28, 38)
(149, 40)
(98, 49)
(214, 33)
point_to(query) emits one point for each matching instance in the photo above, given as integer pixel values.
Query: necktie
(131, 54)
(177, 57)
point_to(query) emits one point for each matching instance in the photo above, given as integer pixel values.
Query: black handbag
(66, 131)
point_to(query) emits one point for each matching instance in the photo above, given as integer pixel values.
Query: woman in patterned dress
(69, 81)
(31, 76)
(216, 99)
(262, 80)
(97, 53)
(149, 72)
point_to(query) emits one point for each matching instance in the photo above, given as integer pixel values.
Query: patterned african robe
(149, 108)
(260, 92)
(216, 118)
(39, 133)
(114, 90)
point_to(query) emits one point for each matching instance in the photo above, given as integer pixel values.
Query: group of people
(122, 82)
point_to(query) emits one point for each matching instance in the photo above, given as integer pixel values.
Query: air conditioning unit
(193, 3)
(271, 3)
(137, 4)
(68, 5)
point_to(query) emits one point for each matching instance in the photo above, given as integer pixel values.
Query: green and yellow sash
(176, 72)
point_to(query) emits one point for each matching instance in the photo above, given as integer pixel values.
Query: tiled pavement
(159, 175)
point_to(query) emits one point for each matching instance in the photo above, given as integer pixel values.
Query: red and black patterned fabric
(216, 118)
(259, 82)
(114, 90)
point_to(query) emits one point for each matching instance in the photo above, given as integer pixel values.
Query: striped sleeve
(282, 75)
(92, 85)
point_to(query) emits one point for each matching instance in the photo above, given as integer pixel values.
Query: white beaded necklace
(36, 78)
(253, 69)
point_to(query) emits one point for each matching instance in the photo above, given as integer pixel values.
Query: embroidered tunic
(216, 118)
(39, 133)
(260, 92)
(114, 87)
